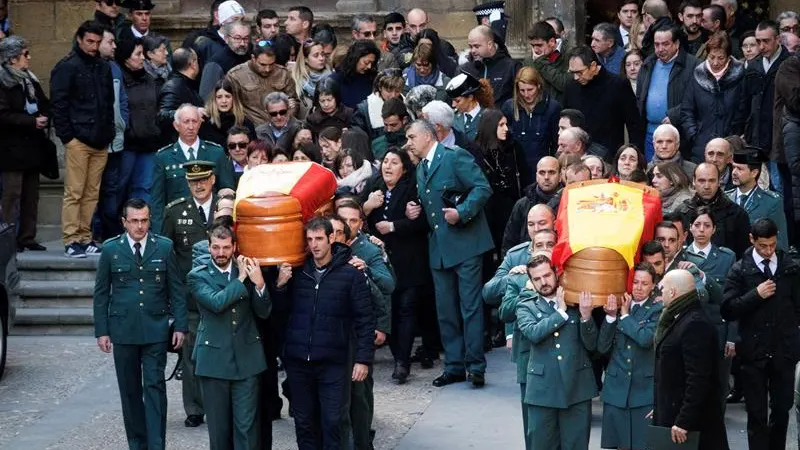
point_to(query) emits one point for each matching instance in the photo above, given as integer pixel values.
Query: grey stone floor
(61, 393)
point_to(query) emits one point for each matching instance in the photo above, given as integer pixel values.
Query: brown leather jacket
(254, 87)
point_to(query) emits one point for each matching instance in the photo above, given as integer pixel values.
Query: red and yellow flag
(620, 216)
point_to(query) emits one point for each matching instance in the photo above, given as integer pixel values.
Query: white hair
(577, 134)
(668, 128)
(439, 113)
(185, 107)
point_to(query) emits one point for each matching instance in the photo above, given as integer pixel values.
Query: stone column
(523, 13)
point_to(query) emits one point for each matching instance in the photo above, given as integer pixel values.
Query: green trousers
(567, 428)
(232, 413)
(359, 407)
(190, 385)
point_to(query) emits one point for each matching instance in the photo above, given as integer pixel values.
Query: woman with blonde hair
(470, 95)
(532, 116)
(310, 67)
(637, 33)
(224, 110)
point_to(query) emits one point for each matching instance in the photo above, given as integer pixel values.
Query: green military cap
(751, 155)
(199, 170)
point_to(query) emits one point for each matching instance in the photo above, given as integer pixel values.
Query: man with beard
(486, 46)
(395, 119)
(733, 225)
(235, 52)
(559, 385)
(690, 13)
(547, 175)
(229, 356)
(212, 39)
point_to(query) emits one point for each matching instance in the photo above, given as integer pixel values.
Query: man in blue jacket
(329, 306)
(452, 191)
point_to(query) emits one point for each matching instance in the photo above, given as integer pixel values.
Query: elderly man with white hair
(441, 116)
(666, 146)
(169, 180)
(576, 140)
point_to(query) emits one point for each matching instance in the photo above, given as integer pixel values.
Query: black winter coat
(686, 373)
(21, 146)
(324, 316)
(732, 222)
(609, 104)
(767, 328)
(407, 246)
(757, 103)
(710, 108)
(501, 70)
(82, 99)
(219, 134)
(318, 121)
(142, 133)
(516, 231)
(179, 89)
(791, 148)
(205, 44)
(679, 77)
(536, 131)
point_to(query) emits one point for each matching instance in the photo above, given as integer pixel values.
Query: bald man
(686, 369)
(542, 191)
(718, 152)
(416, 21)
(501, 69)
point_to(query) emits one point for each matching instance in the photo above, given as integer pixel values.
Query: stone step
(58, 275)
(59, 317)
(52, 330)
(55, 302)
(55, 289)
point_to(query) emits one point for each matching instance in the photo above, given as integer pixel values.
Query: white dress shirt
(773, 262)
(706, 250)
(131, 242)
(625, 36)
(195, 147)
(430, 155)
(768, 62)
(206, 207)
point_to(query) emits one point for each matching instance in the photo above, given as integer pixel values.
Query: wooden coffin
(598, 270)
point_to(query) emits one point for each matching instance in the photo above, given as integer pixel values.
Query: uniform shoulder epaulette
(772, 194)
(517, 247)
(727, 251)
(176, 202)
(164, 148)
(211, 144)
(730, 191)
(110, 240)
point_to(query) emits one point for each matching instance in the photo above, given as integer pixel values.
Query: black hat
(461, 85)
(138, 5)
(486, 9)
(475, 69)
(751, 156)
(199, 170)
(393, 17)
(125, 48)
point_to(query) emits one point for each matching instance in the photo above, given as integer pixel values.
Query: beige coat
(254, 87)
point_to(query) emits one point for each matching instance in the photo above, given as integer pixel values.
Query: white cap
(229, 10)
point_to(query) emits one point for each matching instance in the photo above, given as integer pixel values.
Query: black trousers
(20, 201)
(768, 397)
(318, 393)
(428, 320)
(404, 314)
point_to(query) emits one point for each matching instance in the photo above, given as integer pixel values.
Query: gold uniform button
(555, 334)
(141, 292)
(141, 280)
(234, 322)
(141, 304)
(436, 227)
(558, 345)
(234, 311)
(141, 268)
(560, 358)
(433, 214)
(206, 342)
(629, 360)
(428, 191)
(629, 347)
(629, 374)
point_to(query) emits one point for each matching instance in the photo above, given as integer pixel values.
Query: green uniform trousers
(524, 416)
(459, 308)
(231, 412)
(359, 407)
(143, 393)
(190, 385)
(567, 429)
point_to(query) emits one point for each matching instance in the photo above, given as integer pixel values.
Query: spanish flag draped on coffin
(273, 202)
(601, 225)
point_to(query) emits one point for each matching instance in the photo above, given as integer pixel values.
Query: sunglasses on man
(233, 145)
(281, 112)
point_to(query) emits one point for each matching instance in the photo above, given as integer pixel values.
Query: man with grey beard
(237, 51)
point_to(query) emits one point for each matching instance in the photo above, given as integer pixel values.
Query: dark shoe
(400, 373)
(426, 362)
(74, 250)
(34, 247)
(734, 397)
(448, 378)
(477, 380)
(193, 421)
(92, 249)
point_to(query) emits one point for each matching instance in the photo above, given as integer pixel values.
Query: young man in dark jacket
(82, 93)
(329, 302)
(500, 68)
(762, 292)
(181, 87)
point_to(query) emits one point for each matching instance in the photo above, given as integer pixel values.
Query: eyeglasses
(233, 145)
(265, 43)
(368, 34)
(239, 38)
(790, 29)
(281, 112)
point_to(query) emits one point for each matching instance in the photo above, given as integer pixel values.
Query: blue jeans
(106, 221)
(139, 174)
(775, 178)
(649, 149)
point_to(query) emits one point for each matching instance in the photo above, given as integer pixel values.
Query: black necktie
(191, 153)
(138, 252)
(634, 309)
(767, 270)
(742, 199)
(468, 120)
(552, 304)
(202, 213)
(702, 254)
(425, 168)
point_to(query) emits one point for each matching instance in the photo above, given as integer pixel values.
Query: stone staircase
(54, 293)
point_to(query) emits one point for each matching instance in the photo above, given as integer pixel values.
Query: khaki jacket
(254, 87)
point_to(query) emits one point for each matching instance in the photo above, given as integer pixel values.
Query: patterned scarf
(157, 72)
(310, 85)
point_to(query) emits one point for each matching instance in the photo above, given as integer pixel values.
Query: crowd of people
(450, 170)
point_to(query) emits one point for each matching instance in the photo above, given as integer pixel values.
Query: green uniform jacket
(629, 376)
(559, 371)
(495, 288)
(380, 145)
(169, 177)
(380, 277)
(228, 345)
(184, 226)
(470, 130)
(767, 204)
(454, 169)
(133, 303)
(717, 263)
(520, 346)
(555, 74)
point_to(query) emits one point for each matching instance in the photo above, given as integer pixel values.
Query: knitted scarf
(11, 76)
(671, 313)
(310, 85)
(414, 79)
(157, 72)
